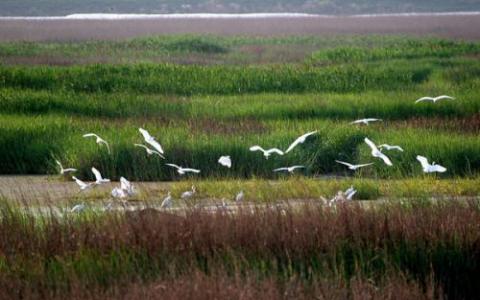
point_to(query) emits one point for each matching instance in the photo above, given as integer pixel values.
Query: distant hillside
(65, 7)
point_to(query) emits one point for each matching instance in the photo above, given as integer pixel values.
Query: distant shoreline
(104, 16)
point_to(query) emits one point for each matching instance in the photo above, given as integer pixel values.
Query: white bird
(167, 202)
(99, 140)
(430, 168)
(62, 170)
(98, 177)
(391, 147)
(225, 161)
(127, 186)
(189, 194)
(350, 192)
(268, 152)
(378, 153)
(182, 171)
(149, 151)
(435, 99)
(119, 193)
(81, 184)
(289, 169)
(151, 140)
(299, 140)
(239, 197)
(365, 121)
(351, 166)
(78, 208)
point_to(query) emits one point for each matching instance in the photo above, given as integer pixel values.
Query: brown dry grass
(470, 124)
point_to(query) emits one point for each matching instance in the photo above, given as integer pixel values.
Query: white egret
(182, 171)
(119, 193)
(188, 194)
(167, 201)
(78, 208)
(151, 140)
(299, 140)
(99, 140)
(225, 161)
(365, 121)
(352, 166)
(378, 153)
(289, 169)
(81, 184)
(435, 99)
(98, 177)
(240, 196)
(390, 147)
(350, 192)
(149, 151)
(268, 152)
(127, 186)
(64, 171)
(430, 168)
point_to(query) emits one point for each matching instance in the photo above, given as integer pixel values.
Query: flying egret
(127, 186)
(353, 167)
(365, 121)
(378, 153)
(151, 140)
(299, 140)
(189, 194)
(149, 151)
(167, 202)
(435, 99)
(390, 147)
(182, 171)
(239, 197)
(430, 168)
(350, 192)
(225, 161)
(78, 208)
(99, 140)
(289, 169)
(268, 152)
(81, 184)
(98, 177)
(119, 193)
(64, 171)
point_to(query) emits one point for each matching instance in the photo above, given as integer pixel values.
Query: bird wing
(275, 150)
(79, 182)
(173, 165)
(385, 158)
(372, 120)
(357, 121)
(294, 144)
(145, 134)
(97, 174)
(69, 170)
(191, 170)
(424, 99)
(155, 145)
(398, 148)
(158, 153)
(124, 183)
(371, 144)
(423, 161)
(439, 168)
(58, 163)
(90, 135)
(344, 163)
(280, 169)
(350, 195)
(297, 167)
(257, 148)
(140, 145)
(364, 165)
(442, 97)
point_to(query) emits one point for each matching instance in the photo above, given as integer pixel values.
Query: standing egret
(149, 151)
(99, 140)
(289, 169)
(350, 192)
(434, 99)
(151, 140)
(365, 121)
(430, 168)
(188, 194)
(64, 171)
(390, 147)
(239, 197)
(98, 177)
(299, 140)
(182, 171)
(378, 153)
(119, 193)
(81, 184)
(225, 161)
(268, 152)
(167, 202)
(353, 167)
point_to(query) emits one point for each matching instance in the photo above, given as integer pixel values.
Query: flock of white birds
(126, 188)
